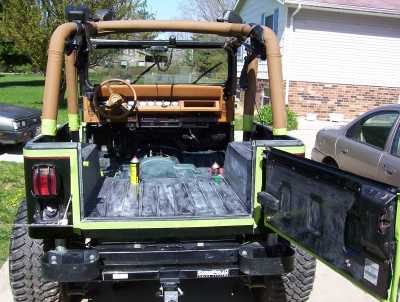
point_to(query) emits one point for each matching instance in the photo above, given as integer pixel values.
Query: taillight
(44, 180)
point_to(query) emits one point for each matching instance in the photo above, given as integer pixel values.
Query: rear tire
(25, 266)
(293, 287)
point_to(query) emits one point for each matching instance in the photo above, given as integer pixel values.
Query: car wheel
(25, 266)
(330, 162)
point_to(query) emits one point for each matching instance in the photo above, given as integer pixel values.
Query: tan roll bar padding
(56, 54)
(72, 89)
(250, 98)
(217, 28)
(274, 61)
(72, 83)
(53, 70)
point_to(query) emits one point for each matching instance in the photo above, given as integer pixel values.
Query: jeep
(147, 183)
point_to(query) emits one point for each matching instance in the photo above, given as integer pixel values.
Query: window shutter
(269, 21)
(276, 21)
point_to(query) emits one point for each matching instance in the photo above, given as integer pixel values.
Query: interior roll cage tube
(72, 40)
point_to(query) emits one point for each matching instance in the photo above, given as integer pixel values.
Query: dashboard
(192, 101)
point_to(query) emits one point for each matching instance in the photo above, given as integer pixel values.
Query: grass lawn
(238, 123)
(27, 91)
(12, 191)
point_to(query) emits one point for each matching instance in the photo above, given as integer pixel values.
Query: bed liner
(166, 197)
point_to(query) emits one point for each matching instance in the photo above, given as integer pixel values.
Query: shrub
(25, 68)
(265, 117)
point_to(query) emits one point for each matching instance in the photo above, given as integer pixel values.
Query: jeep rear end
(151, 185)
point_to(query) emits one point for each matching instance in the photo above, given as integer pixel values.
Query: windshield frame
(145, 44)
(95, 43)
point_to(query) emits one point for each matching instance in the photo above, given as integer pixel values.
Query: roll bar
(72, 91)
(66, 30)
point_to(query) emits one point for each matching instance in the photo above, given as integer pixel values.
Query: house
(339, 56)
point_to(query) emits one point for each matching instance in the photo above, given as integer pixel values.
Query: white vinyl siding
(255, 11)
(333, 47)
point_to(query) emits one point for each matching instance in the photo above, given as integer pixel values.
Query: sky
(166, 9)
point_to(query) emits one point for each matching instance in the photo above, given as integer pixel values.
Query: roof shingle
(388, 6)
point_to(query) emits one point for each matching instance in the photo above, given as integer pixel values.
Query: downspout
(288, 44)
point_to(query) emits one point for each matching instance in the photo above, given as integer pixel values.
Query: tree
(28, 24)
(207, 10)
(207, 58)
(10, 56)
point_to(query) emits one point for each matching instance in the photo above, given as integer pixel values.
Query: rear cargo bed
(167, 197)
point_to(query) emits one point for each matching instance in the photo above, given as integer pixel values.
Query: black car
(18, 124)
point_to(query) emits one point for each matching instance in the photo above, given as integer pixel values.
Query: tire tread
(26, 282)
(295, 286)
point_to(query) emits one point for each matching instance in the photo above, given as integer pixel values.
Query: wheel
(330, 162)
(25, 266)
(293, 287)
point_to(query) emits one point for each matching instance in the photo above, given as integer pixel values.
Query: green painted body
(394, 288)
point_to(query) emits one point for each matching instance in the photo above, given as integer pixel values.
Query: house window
(271, 21)
(240, 53)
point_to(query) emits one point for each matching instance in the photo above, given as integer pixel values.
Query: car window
(396, 145)
(374, 130)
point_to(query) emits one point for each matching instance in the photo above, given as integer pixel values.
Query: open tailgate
(347, 221)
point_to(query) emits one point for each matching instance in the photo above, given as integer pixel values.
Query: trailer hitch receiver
(169, 290)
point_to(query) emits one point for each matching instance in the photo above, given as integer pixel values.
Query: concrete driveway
(329, 286)
(5, 291)
(11, 153)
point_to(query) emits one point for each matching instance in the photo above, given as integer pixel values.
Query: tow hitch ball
(169, 290)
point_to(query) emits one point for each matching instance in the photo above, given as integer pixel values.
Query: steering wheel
(117, 106)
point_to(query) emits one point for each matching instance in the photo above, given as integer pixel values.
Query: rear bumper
(134, 262)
